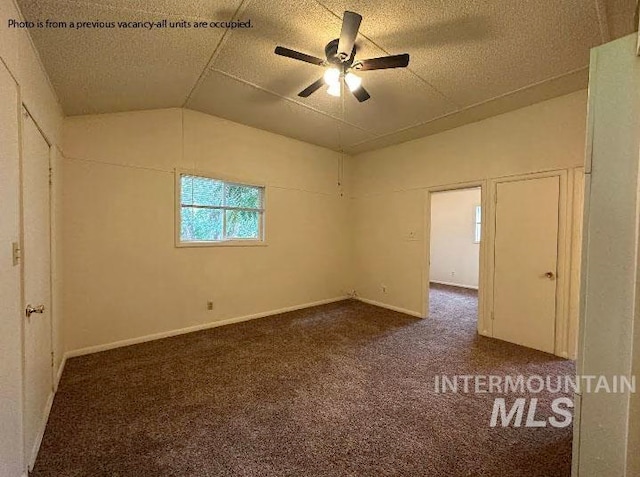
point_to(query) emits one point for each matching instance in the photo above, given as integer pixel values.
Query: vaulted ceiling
(469, 60)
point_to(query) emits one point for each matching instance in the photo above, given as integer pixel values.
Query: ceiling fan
(341, 62)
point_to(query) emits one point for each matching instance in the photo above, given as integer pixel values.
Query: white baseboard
(390, 307)
(59, 373)
(42, 428)
(191, 329)
(451, 284)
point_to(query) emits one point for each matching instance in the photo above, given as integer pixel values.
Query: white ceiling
(469, 60)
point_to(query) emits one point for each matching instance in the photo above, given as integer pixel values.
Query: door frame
(426, 259)
(561, 329)
(30, 453)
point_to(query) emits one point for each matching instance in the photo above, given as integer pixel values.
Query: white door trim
(426, 266)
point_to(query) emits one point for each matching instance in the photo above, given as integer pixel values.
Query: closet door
(36, 224)
(526, 257)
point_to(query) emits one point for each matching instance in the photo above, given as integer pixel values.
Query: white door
(526, 255)
(37, 285)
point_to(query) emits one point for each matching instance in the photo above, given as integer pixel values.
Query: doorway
(454, 254)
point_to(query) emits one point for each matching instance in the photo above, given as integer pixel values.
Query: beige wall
(125, 279)
(22, 79)
(454, 253)
(389, 186)
(11, 452)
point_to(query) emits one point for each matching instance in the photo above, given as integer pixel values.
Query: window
(478, 225)
(216, 211)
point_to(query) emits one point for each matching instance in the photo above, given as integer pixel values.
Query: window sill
(228, 243)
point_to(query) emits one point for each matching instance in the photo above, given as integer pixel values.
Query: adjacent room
(454, 253)
(318, 238)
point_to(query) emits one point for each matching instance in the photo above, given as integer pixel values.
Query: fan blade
(296, 55)
(350, 25)
(361, 94)
(312, 88)
(394, 61)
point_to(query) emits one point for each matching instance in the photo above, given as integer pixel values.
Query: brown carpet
(339, 390)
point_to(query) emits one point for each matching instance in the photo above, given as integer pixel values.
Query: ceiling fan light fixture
(332, 77)
(353, 81)
(334, 89)
(341, 61)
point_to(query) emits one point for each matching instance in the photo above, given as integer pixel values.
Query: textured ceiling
(469, 61)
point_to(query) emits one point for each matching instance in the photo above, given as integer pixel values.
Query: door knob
(34, 309)
(549, 275)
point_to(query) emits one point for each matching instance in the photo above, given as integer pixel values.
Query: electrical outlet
(209, 305)
(384, 288)
(453, 273)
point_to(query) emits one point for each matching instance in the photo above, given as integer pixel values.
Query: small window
(478, 224)
(215, 211)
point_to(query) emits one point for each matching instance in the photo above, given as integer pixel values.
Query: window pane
(201, 191)
(243, 224)
(243, 196)
(200, 225)
(477, 231)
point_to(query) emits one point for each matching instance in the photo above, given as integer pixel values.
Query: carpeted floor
(345, 389)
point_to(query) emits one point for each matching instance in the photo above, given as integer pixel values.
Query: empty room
(454, 254)
(319, 238)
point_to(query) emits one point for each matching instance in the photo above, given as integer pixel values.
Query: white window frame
(477, 224)
(259, 242)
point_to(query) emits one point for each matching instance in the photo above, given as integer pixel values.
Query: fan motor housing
(331, 51)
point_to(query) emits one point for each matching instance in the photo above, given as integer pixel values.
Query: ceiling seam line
(173, 171)
(213, 56)
(368, 195)
(286, 98)
(108, 163)
(410, 70)
(474, 105)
